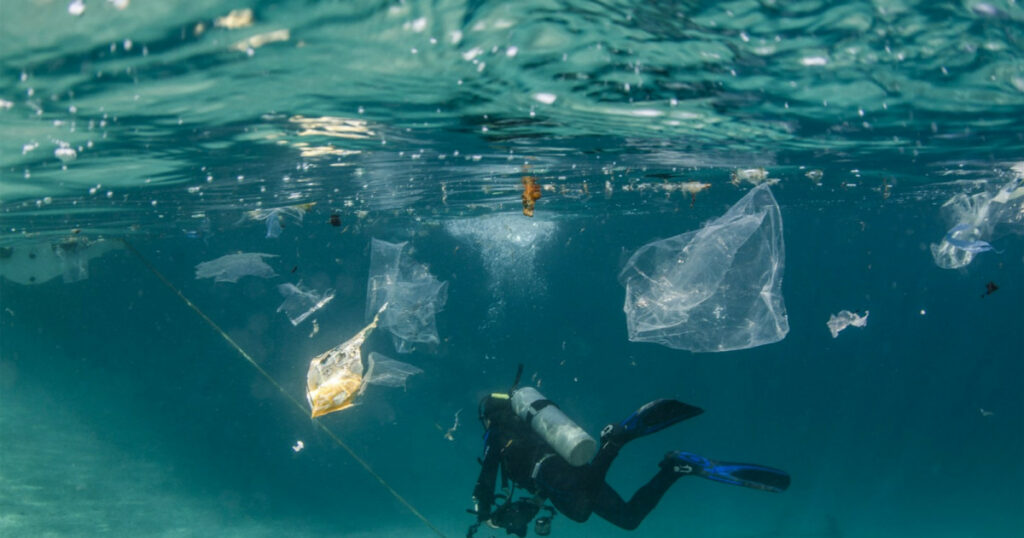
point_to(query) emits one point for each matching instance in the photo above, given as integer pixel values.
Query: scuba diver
(537, 448)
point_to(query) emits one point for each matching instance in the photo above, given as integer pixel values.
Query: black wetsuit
(577, 492)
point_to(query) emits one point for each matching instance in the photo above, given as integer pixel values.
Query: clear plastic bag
(388, 372)
(978, 219)
(335, 378)
(232, 267)
(413, 295)
(300, 303)
(718, 288)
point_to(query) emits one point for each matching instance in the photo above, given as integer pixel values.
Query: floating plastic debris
(531, 193)
(298, 446)
(301, 303)
(335, 377)
(414, 296)
(978, 219)
(232, 267)
(754, 176)
(837, 322)
(449, 434)
(718, 288)
(974, 246)
(277, 217)
(36, 263)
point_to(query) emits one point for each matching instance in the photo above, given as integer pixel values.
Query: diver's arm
(483, 493)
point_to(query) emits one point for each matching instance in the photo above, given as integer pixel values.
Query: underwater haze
(190, 194)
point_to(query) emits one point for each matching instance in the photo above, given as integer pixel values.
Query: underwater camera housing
(515, 515)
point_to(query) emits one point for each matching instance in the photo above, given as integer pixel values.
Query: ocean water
(142, 138)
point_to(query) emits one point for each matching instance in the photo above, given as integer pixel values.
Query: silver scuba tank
(570, 441)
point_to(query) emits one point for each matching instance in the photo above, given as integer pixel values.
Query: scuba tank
(570, 441)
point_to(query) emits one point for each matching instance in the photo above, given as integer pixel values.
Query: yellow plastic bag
(335, 377)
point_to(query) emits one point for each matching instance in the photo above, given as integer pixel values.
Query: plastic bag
(335, 377)
(413, 295)
(276, 218)
(36, 263)
(231, 267)
(837, 322)
(388, 372)
(718, 288)
(300, 303)
(978, 219)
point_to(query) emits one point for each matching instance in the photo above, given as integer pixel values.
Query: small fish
(990, 288)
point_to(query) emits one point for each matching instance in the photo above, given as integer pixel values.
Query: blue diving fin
(652, 417)
(737, 474)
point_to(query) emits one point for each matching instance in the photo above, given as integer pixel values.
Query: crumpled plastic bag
(335, 378)
(413, 295)
(231, 267)
(978, 219)
(837, 322)
(718, 288)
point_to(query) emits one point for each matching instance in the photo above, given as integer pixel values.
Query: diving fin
(737, 474)
(652, 417)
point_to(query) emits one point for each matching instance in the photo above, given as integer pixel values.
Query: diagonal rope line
(266, 375)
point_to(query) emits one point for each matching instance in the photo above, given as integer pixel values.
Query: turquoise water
(122, 412)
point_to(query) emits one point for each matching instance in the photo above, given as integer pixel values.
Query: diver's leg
(628, 515)
(652, 417)
(567, 487)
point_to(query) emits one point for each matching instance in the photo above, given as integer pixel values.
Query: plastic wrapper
(413, 295)
(837, 322)
(300, 303)
(276, 218)
(978, 219)
(335, 378)
(718, 288)
(232, 267)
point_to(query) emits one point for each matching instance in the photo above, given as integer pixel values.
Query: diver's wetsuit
(528, 461)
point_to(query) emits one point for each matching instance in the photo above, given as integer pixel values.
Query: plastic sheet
(335, 378)
(718, 288)
(36, 263)
(300, 303)
(232, 267)
(837, 322)
(388, 372)
(978, 219)
(413, 295)
(276, 218)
